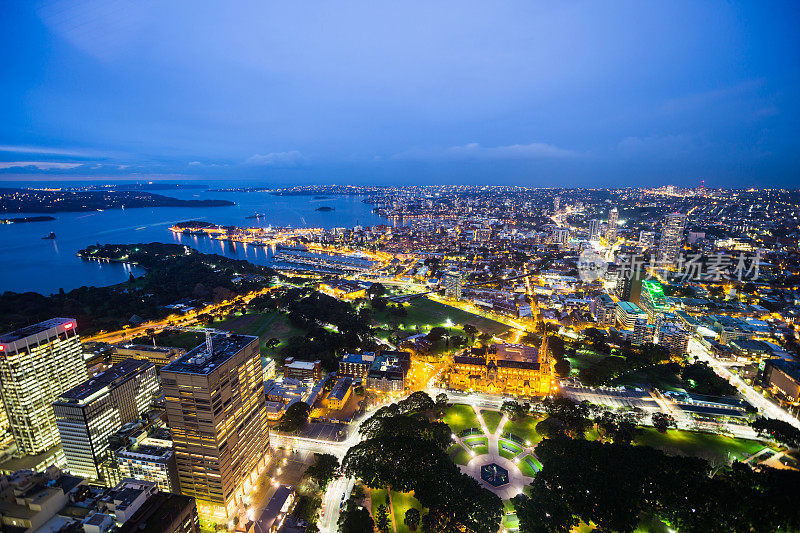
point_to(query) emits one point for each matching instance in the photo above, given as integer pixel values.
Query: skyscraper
(452, 284)
(216, 410)
(594, 229)
(556, 204)
(671, 239)
(37, 363)
(611, 232)
(87, 414)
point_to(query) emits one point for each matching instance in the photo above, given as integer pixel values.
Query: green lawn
(510, 520)
(525, 428)
(529, 465)
(427, 314)
(459, 417)
(378, 497)
(508, 449)
(492, 419)
(458, 454)
(177, 339)
(703, 445)
(481, 450)
(475, 441)
(401, 502)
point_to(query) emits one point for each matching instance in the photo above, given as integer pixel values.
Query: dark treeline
(174, 272)
(332, 327)
(613, 486)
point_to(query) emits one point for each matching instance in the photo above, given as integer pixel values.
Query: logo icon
(591, 265)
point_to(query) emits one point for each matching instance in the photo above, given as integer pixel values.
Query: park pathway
(517, 481)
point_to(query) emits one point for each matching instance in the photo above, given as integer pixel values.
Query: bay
(29, 263)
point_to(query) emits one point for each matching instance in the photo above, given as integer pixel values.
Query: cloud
(40, 165)
(46, 150)
(200, 164)
(476, 151)
(275, 159)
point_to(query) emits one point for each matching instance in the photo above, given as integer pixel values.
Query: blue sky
(534, 93)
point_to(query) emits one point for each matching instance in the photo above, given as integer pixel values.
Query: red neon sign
(69, 325)
(2, 347)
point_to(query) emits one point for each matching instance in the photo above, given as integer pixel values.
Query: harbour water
(30, 263)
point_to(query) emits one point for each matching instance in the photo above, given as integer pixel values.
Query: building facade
(37, 363)
(452, 285)
(88, 414)
(669, 246)
(503, 369)
(216, 408)
(628, 313)
(603, 309)
(388, 371)
(160, 356)
(150, 463)
(643, 332)
(611, 231)
(594, 229)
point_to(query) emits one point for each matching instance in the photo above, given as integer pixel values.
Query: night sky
(558, 93)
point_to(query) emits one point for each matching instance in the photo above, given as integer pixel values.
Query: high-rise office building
(37, 363)
(611, 232)
(560, 235)
(557, 204)
(452, 285)
(647, 239)
(89, 413)
(671, 239)
(216, 409)
(594, 229)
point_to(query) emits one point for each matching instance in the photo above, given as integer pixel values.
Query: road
(337, 492)
(753, 396)
(173, 320)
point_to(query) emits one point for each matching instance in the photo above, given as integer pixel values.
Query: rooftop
(630, 307)
(340, 389)
(199, 361)
(34, 329)
(113, 376)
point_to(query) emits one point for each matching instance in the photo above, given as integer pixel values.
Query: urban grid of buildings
(139, 437)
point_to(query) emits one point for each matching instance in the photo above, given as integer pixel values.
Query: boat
(51, 236)
(257, 215)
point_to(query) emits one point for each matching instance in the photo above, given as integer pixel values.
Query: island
(51, 201)
(25, 220)
(325, 208)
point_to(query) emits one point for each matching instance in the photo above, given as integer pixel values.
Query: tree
(295, 417)
(777, 429)
(375, 290)
(272, 343)
(556, 346)
(131, 278)
(417, 401)
(436, 333)
(470, 331)
(355, 519)
(514, 410)
(663, 421)
(441, 400)
(324, 469)
(382, 518)
(412, 518)
(562, 368)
